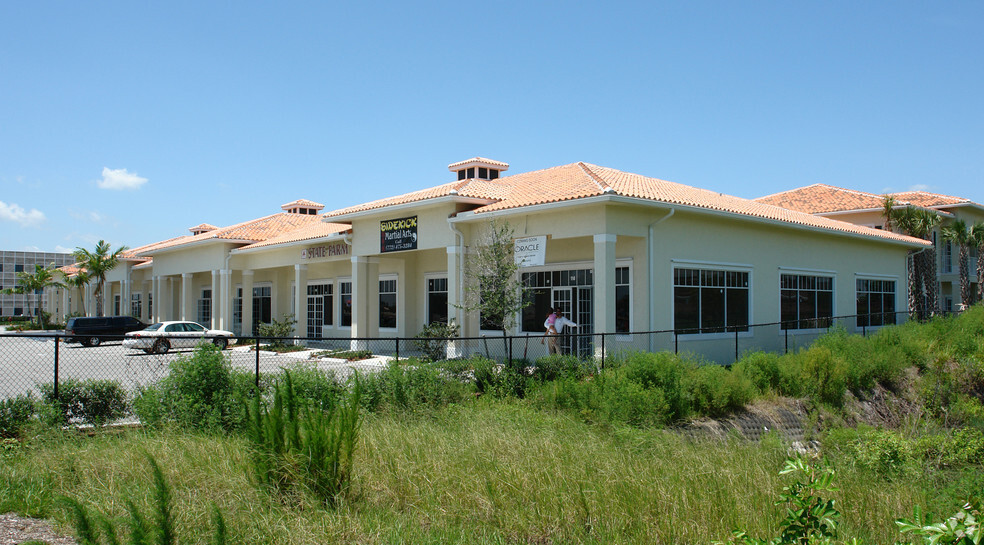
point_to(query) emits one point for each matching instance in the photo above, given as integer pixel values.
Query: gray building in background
(12, 263)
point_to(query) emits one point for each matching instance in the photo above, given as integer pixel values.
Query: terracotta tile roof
(822, 198)
(492, 162)
(69, 270)
(302, 202)
(133, 253)
(582, 180)
(256, 230)
(312, 231)
(929, 200)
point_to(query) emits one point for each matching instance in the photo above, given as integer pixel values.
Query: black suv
(91, 331)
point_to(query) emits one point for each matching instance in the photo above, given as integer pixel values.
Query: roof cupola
(202, 228)
(303, 207)
(478, 168)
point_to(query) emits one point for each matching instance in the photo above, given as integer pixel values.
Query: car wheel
(221, 342)
(162, 346)
(148, 350)
(92, 341)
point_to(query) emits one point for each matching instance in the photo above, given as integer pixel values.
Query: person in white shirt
(559, 325)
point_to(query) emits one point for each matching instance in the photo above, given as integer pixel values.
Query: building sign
(530, 251)
(327, 250)
(398, 234)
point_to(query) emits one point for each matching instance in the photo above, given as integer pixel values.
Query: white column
(64, 303)
(300, 300)
(248, 303)
(365, 297)
(225, 300)
(156, 292)
(604, 283)
(219, 317)
(187, 297)
(144, 302)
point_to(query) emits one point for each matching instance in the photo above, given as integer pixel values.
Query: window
(461, 174)
(483, 173)
(471, 173)
(807, 302)
(623, 300)
(319, 309)
(875, 302)
(262, 307)
(493, 174)
(345, 303)
(946, 258)
(205, 307)
(710, 301)
(387, 303)
(150, 305)
(437, 300)
(135, 305)
(116, 305)
(237, 312)
(18, 268)
(18, 311)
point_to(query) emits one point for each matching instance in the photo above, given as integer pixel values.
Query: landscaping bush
(278, 330)
(433, 339)
(201, 392)
(15, 413)
(412, 384)
(89, 401)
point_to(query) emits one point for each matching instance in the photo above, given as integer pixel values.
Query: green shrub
(884, 452)
(300, 445)
(433, 339)
(202, 392)
(824, 375)
(555, 367)
(609, 397)
(89, 401)
(761, 368)
(715, 391)
(319, 388)
(278, 330)
(664, 372)
(411, 384)
(15, 413)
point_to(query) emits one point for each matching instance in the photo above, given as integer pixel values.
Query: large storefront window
(345, 302)
(387, 304)
(237, 312)
(262, 307)
(319, 309)
(875, 302)
(437, 300)
(807, 302)
(135, 306)
(710, 301)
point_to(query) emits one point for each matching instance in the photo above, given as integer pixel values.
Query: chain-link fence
(28, 361)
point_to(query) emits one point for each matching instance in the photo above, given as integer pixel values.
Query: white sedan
(163, 336)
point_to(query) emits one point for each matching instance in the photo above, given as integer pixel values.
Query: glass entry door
(577, 305)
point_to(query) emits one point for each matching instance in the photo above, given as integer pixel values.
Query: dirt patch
(15, 529)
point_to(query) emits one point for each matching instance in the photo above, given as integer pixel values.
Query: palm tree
(977, 240)
(920, 264)
(97, 264)
(79, 280)
(957, 233)
(35, 284)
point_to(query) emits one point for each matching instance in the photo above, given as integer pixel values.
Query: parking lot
(28, 361)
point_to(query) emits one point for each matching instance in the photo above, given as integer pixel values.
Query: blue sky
(132, 121)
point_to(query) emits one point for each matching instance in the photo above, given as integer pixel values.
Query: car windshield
(153, 327)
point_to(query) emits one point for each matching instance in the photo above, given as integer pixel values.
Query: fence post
(509, 351)
(786, 331)
(397, 348)
(736, 344)
(56, 367)
(676, 342)
(257, 364)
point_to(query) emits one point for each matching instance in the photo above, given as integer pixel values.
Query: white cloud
(919, 187)
(120, 179)
(31, 249)
(64, 250)
(16, 214)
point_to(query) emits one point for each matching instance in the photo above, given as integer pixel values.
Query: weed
(90, 401)
(15, 413)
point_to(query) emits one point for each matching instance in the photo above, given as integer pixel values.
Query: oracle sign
(530, 251)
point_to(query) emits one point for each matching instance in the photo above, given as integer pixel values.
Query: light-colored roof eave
(446, 199)
(968, 204)
(470, 216)
(330, 238)
(196, 243)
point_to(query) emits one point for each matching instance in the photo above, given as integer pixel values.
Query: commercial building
(867, 209)
(13, 262)
(620, 252)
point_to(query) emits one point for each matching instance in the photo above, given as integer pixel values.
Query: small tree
(34, 284)
(494, 289)
(79, 280)
(97, 264)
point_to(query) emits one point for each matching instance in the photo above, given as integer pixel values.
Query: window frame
(428, 277)
(395, 278)
(342, 281)
(808, 272)
(713, 266)
(895, 302)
